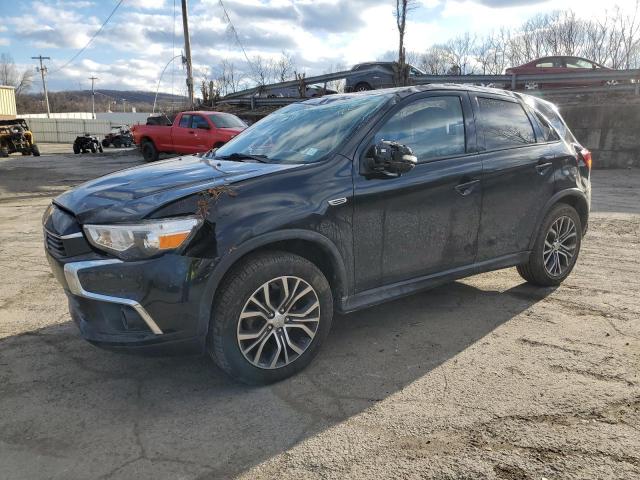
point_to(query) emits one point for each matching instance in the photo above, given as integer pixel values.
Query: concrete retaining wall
(611, 132)
(57, 130)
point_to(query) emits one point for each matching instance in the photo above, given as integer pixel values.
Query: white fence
(58, 130)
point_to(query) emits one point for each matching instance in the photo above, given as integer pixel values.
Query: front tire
(35, 150)
(149, 151)
(270, 317)
(556, 248)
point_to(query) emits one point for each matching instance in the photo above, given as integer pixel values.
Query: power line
(90, 40)
(237, 37)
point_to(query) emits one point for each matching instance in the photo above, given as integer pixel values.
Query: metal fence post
(513, 81)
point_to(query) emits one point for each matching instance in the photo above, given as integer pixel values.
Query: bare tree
(284, 66)
(261, 70)
(10, 75)
(436, 60)
(403, 7)
(461, 50)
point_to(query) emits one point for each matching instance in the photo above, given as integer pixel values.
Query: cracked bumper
(145, 305)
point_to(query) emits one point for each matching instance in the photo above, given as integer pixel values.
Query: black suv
(336, 203)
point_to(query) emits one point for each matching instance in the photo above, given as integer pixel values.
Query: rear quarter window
(549, 133)
(504, 124)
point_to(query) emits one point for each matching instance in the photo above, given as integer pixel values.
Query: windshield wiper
(237, 156)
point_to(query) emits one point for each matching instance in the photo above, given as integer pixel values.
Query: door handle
(543, 164)
(466, 188)
(191, 132)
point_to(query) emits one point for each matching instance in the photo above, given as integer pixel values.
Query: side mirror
(389, 159)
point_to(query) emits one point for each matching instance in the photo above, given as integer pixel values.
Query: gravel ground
(486, 378)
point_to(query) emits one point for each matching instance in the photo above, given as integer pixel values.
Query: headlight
(144, 239)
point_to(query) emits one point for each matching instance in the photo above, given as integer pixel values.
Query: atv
(120, 136)
(15, 136)
(86, 143)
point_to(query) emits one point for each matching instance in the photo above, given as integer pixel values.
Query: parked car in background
(558, 64)
(341, 202)
(191, 132)
(311, 91)
(120, 136)
(375, 75)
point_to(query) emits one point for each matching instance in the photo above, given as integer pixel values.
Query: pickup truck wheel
(105, 143)
(270, 317)
(556, 248)
(149, 151)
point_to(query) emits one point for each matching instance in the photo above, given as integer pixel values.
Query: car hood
(134, 193)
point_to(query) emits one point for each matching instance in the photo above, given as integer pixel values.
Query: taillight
(586, 156)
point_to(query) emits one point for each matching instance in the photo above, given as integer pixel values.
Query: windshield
(226, 120)
(304, 132)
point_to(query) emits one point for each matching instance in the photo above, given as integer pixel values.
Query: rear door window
(185, 121)
(504, 124)
(432, 127)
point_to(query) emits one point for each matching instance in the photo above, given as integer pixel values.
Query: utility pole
(43, 71)
(93, 98)
(187, 51)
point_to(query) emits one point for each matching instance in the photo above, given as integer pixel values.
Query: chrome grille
(54, 244)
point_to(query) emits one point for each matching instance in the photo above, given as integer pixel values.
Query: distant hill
(80, 101)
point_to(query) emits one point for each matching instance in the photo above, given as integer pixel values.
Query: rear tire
(117, 143)
(149, 151)
(283, 347)
(362, 87)
(76, 148)
(93, 148)
(556, 248)
(105, 143)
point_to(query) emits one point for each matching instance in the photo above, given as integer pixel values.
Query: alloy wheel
(559, 246)
(278, 322)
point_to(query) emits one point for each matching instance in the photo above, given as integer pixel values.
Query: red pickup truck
(191, 132)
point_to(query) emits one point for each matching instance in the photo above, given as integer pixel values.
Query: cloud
(147, 4)
(508, 3)
(4, 41)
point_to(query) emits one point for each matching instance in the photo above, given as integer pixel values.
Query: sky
(142, 36)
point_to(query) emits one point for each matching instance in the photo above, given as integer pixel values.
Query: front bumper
(142, 305)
